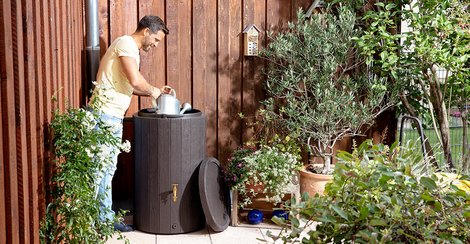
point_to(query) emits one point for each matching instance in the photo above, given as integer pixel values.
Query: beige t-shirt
(113, 88)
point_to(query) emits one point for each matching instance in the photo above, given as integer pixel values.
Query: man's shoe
(122, 227)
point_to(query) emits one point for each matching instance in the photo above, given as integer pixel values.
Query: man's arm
(137, 81)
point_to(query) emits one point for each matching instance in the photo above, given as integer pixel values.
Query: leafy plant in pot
(266, 170)
(317, 86)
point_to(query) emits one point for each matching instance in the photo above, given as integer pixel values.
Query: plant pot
(313, 183)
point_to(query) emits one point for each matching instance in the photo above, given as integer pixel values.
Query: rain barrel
(168, 151)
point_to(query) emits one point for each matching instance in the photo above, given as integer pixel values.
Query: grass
(456, 137)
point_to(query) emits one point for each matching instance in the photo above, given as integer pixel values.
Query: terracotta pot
(313, 183)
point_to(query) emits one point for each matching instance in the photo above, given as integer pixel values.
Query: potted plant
(236, 171)
(317, 86)
(267, 170)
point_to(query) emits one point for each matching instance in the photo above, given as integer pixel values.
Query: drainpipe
(92, 44)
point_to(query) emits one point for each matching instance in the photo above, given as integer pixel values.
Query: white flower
(89, 121)
(105, 153)
(89, 152)
(125, 146)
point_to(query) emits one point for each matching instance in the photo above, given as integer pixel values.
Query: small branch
(311, 8)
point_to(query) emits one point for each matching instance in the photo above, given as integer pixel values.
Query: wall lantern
(251, 40)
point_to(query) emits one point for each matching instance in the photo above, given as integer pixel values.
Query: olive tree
(316, 83)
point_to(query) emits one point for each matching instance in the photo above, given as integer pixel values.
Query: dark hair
(154, 23)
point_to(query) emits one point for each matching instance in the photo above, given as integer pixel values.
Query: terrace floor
(243, 234)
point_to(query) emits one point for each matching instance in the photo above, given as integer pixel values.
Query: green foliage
(236, 171)
(383, 195)
(268, 168)
(428, 62)
(79, 153)
(317, 86)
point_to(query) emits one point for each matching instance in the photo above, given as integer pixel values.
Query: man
(118, 78)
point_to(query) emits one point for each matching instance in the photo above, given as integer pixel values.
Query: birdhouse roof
(249, 27)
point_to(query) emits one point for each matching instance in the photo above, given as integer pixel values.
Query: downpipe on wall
(92, 45)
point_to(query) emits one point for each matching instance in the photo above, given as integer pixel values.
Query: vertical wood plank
(38, 186)
(254, 13)
(172, 68)
(62, 61)
(31, 119)
(153, 62)
(69, 46)
(123, 21)
(75, 47)
(211, 90)
(204, 62)
(8, 121)
(53, 27)
(48, 74)
(277, 15)
(47, 52)
(179, 48)
(3, 227)
(184, 51)
(229, 76)
(20, 128)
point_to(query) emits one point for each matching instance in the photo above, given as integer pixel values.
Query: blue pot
(255, 216)
(281, 214)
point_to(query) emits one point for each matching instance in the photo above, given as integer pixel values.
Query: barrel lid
(214, 195)
(151, 113)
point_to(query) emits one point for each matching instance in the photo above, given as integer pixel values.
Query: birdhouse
(251, 40)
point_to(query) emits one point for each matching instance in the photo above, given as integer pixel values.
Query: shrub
(384, 195)
(79, 153)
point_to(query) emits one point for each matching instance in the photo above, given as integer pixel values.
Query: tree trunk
(438, 104)
(327, 168)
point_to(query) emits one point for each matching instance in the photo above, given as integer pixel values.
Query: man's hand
(155, 92)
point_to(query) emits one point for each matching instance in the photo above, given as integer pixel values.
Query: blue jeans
(103, 185)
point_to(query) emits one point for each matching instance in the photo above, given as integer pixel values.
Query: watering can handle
(169, 90)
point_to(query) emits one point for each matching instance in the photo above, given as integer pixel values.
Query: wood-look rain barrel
(168, 151)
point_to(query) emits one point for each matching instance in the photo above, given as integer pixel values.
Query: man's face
(152, 39)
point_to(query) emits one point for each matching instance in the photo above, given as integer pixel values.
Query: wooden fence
(42, 56)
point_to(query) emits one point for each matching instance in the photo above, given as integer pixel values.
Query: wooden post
(234, 210)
